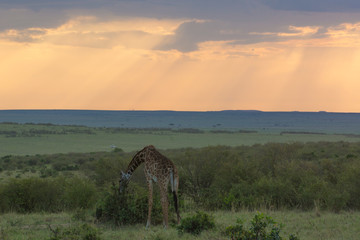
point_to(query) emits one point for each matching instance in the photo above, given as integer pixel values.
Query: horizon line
(200, 111)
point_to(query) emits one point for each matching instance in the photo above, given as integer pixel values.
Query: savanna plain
(60, 182)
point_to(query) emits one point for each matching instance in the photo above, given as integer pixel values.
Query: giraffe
(158, 169)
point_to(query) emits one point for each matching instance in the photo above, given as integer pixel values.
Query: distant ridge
(325, 122)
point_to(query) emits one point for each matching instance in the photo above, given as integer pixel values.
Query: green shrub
(274, 176)
(47, 172)
(350, 183)
(129, 207)
(118, 150)
(107, 170)
(46, 195)
(196, 224)
(31, 195)
(79, 193)
(79, 215)
(77, 232)
(3, 234)
(262, 227)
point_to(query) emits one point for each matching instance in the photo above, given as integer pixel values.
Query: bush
(130, 207)
(47, 172)
(274, 176)
(262, 227)
(79, 193)
(77, 232)
(31, 195)
(196, 224)
(3, 234)
(107, 170)
(46, 195)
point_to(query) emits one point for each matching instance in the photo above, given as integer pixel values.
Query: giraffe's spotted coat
(158, 169)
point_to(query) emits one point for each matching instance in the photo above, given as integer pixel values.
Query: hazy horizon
(169, 110)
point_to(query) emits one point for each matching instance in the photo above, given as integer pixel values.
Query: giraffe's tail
(174, 189)
(176, 203)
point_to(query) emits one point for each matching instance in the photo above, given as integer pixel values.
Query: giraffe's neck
(138, 159)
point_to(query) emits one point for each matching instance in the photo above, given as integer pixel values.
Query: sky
(188, 55)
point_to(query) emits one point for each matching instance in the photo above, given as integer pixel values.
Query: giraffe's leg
(150, 202)
(164, 205)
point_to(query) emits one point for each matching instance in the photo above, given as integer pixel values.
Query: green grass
(307, 225)
(100, 139)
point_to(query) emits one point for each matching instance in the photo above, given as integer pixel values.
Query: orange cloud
(88, 31)
(344, 35)
(295, 32)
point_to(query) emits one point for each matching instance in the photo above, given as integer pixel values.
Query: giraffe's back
(157, 165)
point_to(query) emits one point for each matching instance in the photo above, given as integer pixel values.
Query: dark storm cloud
(199, 8)
(27, 18)
(235, 21)
(22, 14)
(40, 4)
(152, 8)
(189, 34)
(314, 5)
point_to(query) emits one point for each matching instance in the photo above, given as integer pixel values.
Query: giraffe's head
(125, 177)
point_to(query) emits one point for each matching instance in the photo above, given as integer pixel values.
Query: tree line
(274, 176)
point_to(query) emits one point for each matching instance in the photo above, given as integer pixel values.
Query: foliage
(196, 224)
(79, 194)
(77, 232)
(273, 176)
(33, 194)
(37, 130)
(262, 228)
(3, 234)
(50, 195)
(305, 176)
(128, 207)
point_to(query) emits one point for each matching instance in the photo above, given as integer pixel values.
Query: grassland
(307, 225)
(95, 146)
(31, 139)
